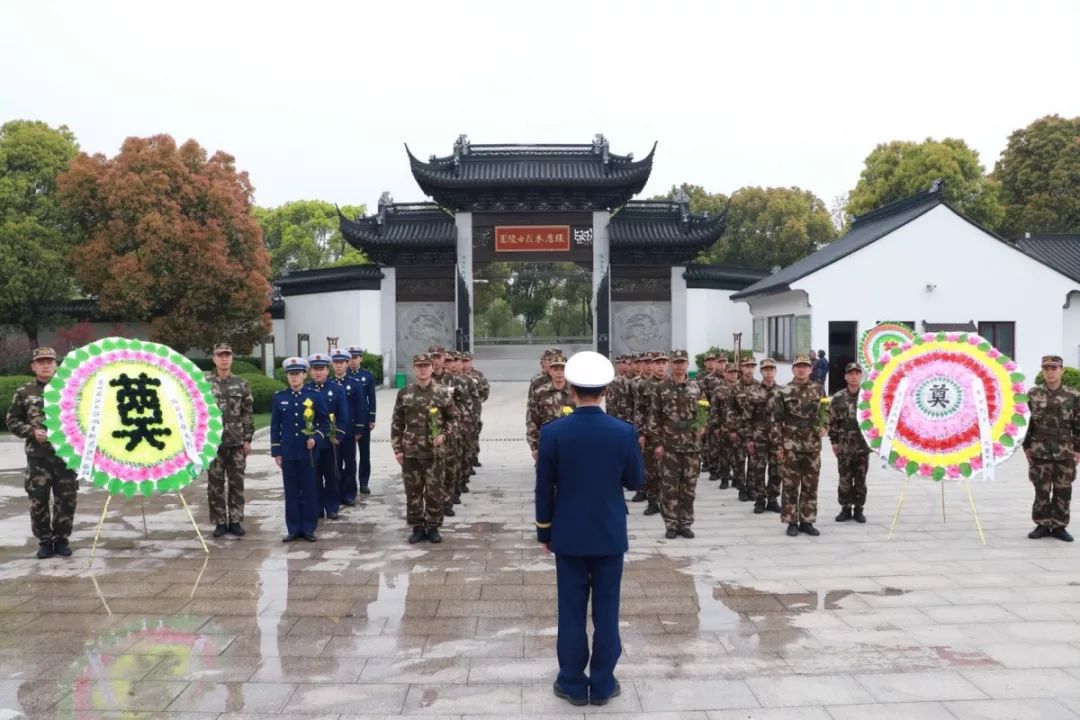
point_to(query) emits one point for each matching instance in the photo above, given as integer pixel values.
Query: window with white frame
(779, 336)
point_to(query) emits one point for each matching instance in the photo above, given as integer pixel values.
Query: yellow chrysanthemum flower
(566, 409)
(309, 413)
(824, 401)
(703, 403)
(308, 402)
(433, 411)
(331, 417)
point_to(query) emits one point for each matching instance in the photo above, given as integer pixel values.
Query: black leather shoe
(793, 530)
(433, 535)
(1040, 531)
(310, 537)
(288, 538)
(349, 503)
(45, 550)
(725, 484)
(858, 515)
(365, 490)
(744, 496)
(332, 516)
(560, 693)
(772, 506)
(449, 512)
(686, 533)
(457, 499)
(1060, 533)
(759, 507)
(809, 529)
(220, 529)
(844, 514)
(652, 509)
(604, 700)
(671, 533)
(639, 496)
(61, 548)
(418, 535)
(476, 462)
(713, 477)
(237, 530)
(465, 488)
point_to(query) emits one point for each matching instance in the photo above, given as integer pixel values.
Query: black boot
(1040, 531)
(1062, 534)
(433, 535)
(449, 511)
(61, 547)
(671, 533)
(744, 495)
(772, 506)
(652, 509)
(418, 535)
(236, 529)
(220, 529)
(686, 533)
(845, 514)
(45, 550)
(858, 515)
(639, 496)
(809, 529)
(759, 507)
(725, 484)
(364, 490)
(792, 530)
(713, 477)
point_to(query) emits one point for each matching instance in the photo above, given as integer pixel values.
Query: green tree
(701, 200)
(772, 226)
(489, 285)
(306, 235)
(898, 169)
(1039, 173)
(529, 290)
(169, 238)
(35, 246)
(497, 320)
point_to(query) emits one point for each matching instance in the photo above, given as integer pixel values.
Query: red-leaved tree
(168, 237)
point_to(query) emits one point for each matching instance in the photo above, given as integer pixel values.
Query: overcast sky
(316, 100)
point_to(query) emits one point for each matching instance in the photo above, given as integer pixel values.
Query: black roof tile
(722, 277)
(1061, 252)
(936, 327)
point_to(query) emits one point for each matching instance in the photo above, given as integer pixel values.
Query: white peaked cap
(589, 369)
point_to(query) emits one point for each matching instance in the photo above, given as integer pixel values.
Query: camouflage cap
(679, 355)
(768, 363)
(801, 360)
(1052, 360)
(555, 351)
(295, 364)
(436, 351)
(557, 359)
(660, 356)
(337, 355)
(731, 368)
(748, 361)
(852, 367)
(451, 355)
(421, 359)
(222, 348)
(318, 360)
(710, 355)
(721, 357)
(43, 353)
(466, 356)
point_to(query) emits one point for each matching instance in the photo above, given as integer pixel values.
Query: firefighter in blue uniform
(327, 475)
(346, 458)
(363, 428)
(293, 450)
(584, 462)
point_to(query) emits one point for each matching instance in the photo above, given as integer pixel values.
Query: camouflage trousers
(450, 466)
(48, 477)
(226, 504)
(736, 460)
(764, 457)
(424, 491)
(717, 461)
(800, 473)
(1053, 491)
(852, 488)
(652, 474)
(678, 488)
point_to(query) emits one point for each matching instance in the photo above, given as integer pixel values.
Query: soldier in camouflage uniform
(457, 446)
(769, 452)
(46, 474)
(672, 422)
(647, 438)
(548, 402)
(543, 376)
(707, 382)
(638, 373)
(485, 393)
(851, 451)
(721, 461)
(419, 405)
(796, 431)
(233, 396)
(720, 421)
(749, 423)
(1052, 447)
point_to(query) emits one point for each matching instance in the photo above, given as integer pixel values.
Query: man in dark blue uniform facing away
(584, 462)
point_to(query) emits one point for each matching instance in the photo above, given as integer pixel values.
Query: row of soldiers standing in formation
(760, 438)
(435, 433)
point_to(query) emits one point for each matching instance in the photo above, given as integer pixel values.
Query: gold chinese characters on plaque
(532, 238)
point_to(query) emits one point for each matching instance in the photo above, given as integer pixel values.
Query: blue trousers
(577, 576)
(328, 480)
(363, 468)
(347, 468)
(302, 505)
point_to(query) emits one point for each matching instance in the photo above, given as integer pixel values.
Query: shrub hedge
(8, 385)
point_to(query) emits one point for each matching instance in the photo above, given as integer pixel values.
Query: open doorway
(843, 342)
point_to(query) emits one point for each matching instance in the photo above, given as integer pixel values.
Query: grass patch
(261, 420)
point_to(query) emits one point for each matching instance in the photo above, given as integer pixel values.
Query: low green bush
(8, 385)
(1069, 378)
(699, 359)
(262, 390)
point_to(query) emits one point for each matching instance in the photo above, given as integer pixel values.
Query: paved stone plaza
(742, 622)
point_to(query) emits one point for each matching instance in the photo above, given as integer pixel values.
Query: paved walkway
(742, 622)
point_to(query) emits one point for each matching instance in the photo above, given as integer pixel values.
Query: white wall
(353, 316)
(712, 319)
(1070, 332)
(794, 302)
(975, 277)
(277, 329)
